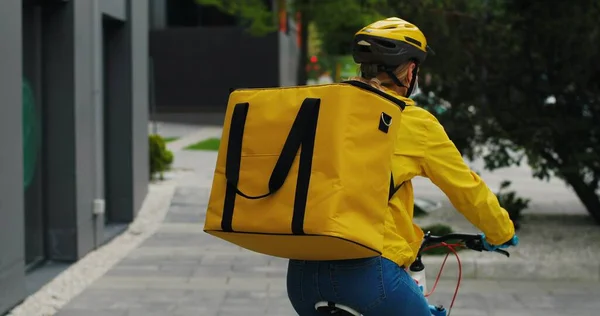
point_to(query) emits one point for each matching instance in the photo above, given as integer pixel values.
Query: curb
(57, 293)
(511, 269)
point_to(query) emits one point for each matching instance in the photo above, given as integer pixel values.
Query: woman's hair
(379, 80)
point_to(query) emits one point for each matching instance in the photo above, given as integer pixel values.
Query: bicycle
(417, 270)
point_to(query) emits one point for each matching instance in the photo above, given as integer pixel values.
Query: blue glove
(514, 241)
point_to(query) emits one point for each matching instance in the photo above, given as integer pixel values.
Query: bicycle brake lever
(503, 252)
(475, 245)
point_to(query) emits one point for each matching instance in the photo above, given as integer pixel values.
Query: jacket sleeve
(445, 167)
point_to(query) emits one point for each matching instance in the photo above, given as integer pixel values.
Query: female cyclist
(389, 53)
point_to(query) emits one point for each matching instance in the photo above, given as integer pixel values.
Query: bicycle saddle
(331, 308)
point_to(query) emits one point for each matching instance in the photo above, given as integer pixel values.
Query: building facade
(74, 126)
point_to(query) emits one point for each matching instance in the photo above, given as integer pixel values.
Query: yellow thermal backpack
(305, 172)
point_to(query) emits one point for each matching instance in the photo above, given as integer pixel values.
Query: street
(183, 271)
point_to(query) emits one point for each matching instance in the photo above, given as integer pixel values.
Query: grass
(170, 139)
(211, 144)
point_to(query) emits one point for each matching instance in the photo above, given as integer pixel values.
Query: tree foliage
(334, 19)
(253, 13)
(337, 20)
(524, 78)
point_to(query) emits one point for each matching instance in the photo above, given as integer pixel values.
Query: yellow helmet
(389, 43)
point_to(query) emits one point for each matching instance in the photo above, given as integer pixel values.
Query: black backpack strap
(393, 187)
(367, 87)
(301, 138)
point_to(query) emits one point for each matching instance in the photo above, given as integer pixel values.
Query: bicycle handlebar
(471, 241)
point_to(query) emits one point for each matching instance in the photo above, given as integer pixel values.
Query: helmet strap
(394, 78)
(413, 81)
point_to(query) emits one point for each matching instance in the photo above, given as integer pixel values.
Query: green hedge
(160, 157)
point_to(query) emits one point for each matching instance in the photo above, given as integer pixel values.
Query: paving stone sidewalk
(182, 271)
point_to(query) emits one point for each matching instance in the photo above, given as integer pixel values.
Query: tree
(525, 75)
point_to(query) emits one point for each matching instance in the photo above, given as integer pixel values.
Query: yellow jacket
(424, 149)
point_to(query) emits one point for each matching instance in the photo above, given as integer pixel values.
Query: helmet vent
(364, 49)
(386, 44)
(413, 41)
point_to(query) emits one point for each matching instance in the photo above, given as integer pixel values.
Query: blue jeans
(372, 286)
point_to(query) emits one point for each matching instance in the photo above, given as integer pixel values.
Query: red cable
(437, 279)
(459, 278)
(443, 244)
(451, 247)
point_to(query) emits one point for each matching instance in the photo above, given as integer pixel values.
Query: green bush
(160, 157)
(439, 230)
(418, 211)
(512, 203)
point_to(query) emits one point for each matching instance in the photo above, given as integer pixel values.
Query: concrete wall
(77, 114)
(158, 14)
(140, 44)
(69, 129)
(127, 114)
(34, 187)
(289, 54)
(11, 171)
(116, 9)
(208, 62)
(87, 62)
(289, 51)
(213, 59)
